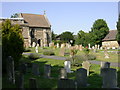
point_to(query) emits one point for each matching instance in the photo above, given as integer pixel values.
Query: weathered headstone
(36, 49)
(62, 51)
(105, 64)
(35, 69)
(32, 83)
(109, 76)
(57, 45)
(106, 53)
(47, 70)
(10, 70)
(89, 46)
(66, 83)
(23, 68)
(86, 65)
(33, 45)
(98, 47)
(67, 66)
(19, 80)
(63, 45)
(81, 77)
(113, 47)
(63, 73)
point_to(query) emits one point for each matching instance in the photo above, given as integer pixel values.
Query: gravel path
(63, 58)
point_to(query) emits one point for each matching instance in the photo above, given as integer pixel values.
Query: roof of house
(35, 20)
(111, 35)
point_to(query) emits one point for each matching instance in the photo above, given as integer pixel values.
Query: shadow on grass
(95, 80)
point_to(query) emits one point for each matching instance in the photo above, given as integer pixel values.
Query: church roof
(35, 20)
(111, 36)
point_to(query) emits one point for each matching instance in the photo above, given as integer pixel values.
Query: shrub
(34, 56)
(77, 60)
(48, 52)
(91, 57)
(86, 50)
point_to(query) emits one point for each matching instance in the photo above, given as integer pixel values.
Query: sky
(67, 16)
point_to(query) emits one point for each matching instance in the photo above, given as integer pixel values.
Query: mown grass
(93, 79)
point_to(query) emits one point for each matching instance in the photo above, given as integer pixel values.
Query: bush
(77, 60)
(34, 56)
(48, 52)
(91, 57)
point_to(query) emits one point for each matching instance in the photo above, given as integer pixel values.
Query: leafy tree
(99, 30)
(53, 36)
(67, 36)
(12, 42)
(118, 31)
(14, 15)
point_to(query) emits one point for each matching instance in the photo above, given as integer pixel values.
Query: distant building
(110, 40)
(35, 28)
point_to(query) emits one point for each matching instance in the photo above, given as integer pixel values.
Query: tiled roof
(111, 35)
(35, 20)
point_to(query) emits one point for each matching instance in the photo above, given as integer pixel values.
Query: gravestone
(57, 45)
(62, 51)
(33, 45)
(109, 76)
(67, 66)
(10, 70)
(36, 49)
(66, 83)
(63, 73)
(86, 65)
(81, 77)
(89, 46)
(106, 53)
(63, 45)
(32, 83)
(47, 71)
(19, 80)
(101, 48)
(104, 65)
(23, 68)
(113, 47)
(98, 47)
(35, 69)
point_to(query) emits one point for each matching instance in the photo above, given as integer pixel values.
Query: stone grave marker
(63, 45)
(106, 53)
(36, 49)
(19, 80)
(10, 70)
(47, 71)
(35, 69)
(109, 76)
(57, 45)
(23, 68)
(86, 65)
(32, 83)
(67, 66)
(81, 77)
(104, 65)
(66, 83)
(62, 51)
(63, 73)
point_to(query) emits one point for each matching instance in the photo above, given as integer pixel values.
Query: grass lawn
(93, 79)
(99, 55)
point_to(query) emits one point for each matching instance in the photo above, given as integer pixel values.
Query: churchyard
(72, 69)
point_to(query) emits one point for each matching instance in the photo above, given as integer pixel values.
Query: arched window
(32, 33)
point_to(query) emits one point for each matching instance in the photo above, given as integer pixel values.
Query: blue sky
(67, 16)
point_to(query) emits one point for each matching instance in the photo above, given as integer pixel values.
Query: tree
(66, 36)
(14, 15)
(53, 36)
(99, 31)
(118, 31)
(12, 42)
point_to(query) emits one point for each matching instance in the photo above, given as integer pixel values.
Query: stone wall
(110, 44)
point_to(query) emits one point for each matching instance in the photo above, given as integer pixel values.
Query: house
(36, 29)
(110, 40)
